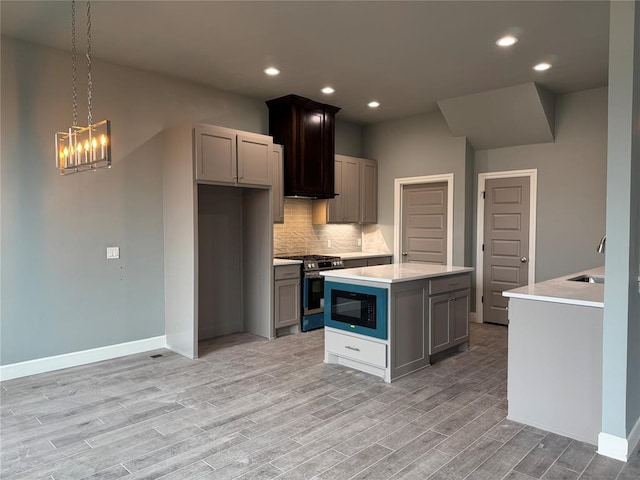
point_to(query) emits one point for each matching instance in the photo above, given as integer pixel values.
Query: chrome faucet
(601, 245)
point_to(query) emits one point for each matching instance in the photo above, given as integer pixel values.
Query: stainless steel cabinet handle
(524, 260)
(352, 348)
(404, 254)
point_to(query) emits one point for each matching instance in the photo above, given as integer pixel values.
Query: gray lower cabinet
(287, 296)
(409, 328)
(367, 262)
(449, 306)
(234, 157)
(426, 316)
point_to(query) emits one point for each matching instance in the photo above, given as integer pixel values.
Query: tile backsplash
(298, 236)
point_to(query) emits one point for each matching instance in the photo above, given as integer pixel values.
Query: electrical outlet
(328, 243)
(359, 242)
(113, 253)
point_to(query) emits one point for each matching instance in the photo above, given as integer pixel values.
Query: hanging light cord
(73, 63)
(74, 69)
(89, 82)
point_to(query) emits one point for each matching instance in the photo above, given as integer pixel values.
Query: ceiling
(406, 55)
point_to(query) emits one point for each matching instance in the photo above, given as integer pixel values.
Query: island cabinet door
(440, 324)
(409, 325)
(460, 304)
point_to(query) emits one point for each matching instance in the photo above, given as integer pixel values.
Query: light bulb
(103, 139)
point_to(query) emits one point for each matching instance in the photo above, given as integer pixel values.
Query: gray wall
(571, 183)
(417, 146)
(348, 138)
(59, 293)
(621, 342)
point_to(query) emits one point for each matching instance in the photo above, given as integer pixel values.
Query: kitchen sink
(588, 279)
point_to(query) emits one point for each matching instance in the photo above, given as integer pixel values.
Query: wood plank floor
(256, 409)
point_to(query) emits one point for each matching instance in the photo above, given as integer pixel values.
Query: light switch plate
(113, 252)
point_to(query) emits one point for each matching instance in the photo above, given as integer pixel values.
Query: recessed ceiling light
(374, 104)
(328, 90)
(507, 41)
(541, 67)
(272, 71)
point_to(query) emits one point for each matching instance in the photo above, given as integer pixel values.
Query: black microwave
(356, 308)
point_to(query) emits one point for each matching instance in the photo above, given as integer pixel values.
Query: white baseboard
(619, 448)
(473, 318)
(74, 359)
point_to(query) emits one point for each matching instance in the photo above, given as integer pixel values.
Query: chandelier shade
(84, 148)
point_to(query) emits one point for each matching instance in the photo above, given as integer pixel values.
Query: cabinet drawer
(379, 261)
(359, 349)
(287, 271)
(449, 283)
(355, 262)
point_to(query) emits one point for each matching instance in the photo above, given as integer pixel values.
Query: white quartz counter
(356, 255)
(563, 290)
(277, 262)
(395, 273)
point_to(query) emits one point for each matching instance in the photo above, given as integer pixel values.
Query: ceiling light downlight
(272, 71)
(507, 41)
(328, 90)
(541, 67)
(373, 104)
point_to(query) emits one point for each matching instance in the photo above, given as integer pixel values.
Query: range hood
(306, 130)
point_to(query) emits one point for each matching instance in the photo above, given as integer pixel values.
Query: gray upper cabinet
(368, 191)
(357, 195)
(277, 179)
(229, 156)
(345, 208)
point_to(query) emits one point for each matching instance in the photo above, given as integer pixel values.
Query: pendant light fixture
(83, 148)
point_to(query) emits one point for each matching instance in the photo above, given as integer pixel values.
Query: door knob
(523, 260)
(404, 254)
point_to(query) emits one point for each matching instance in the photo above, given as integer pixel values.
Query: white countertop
(395, 273)
(277, 262)
(562, 290)
(355, 255)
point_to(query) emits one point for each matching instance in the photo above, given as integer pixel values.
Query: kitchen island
(415, 313)
(555, 354)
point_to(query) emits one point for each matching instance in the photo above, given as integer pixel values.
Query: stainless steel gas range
(312, 287)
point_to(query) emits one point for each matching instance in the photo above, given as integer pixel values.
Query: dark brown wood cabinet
(306, 129)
